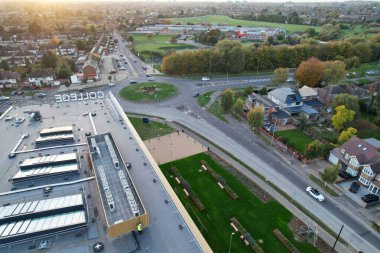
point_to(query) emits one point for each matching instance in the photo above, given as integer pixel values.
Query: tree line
(232, 57)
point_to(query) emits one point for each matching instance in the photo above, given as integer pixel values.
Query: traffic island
(148, 92)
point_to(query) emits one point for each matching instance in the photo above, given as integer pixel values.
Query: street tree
(256, 117)
(341, 117)
(333, 72)
(226, 99)
(345, 135)
(280, 75)
(131, 38)
(109, 78)
(310, 72)
(64, 71)
(248, 90)
(238, 106)
(49, 60)
(351, 102)
(4, 65)
(330, 174)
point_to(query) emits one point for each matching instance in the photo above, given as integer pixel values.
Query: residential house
(291, 102)
(310, 97)
(273, 114)
(90, 69)
(354, 155)
(41, 77)
(9, 79)
(370, 177)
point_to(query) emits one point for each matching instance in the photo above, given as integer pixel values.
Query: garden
(256, 219)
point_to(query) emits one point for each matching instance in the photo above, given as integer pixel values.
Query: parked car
(370, 72)
(151, 79)
(113, 71)
(344, 174)
(20, 92)
(88, 133)
(354, 187)
(196, 94)
(205, 79)
(12, 155)
(144, 67)
(8, 118)
(370, 198)
(14, 93)
(315, 193)
(40, 94)
(147, 75)
(48, 189)
(2, 98)
(132, 82)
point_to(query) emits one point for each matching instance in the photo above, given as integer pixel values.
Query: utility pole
(337, 238)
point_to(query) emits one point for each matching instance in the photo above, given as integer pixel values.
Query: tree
(149, 36)
(131, 39)
(248, 90)
(238, 106)
(64, 71)
(349, 101)
(333, 72)
(310, 72)
(226, 100)
(302, 123)
(4, 65)
(49, 60)
(109, 78)
(81, 44)
(330, 174)
(173, 40)
(329, 32)
(280, 75)
(55, 42)
(256, 117)
(341, 117)
(378, 104)
(345, 135)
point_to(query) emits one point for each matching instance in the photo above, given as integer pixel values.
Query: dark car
(196, 94)
(48, 189)
(88, 133)
(144, 67)
(147, 75)
(12, 155)
(354, 187)
(370, 198)
(344, 174)
(132, 82)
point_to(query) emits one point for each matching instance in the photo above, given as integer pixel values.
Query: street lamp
(229, 248)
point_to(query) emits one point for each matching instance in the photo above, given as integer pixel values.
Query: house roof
(91, 62)
(313, 103)
(286, 95)
(280, 114)
(364, 152)
(375, 167)
(306, 91)
(261, 99)
(308, 110)
(6, 75)
(41, 73)
(374, 142)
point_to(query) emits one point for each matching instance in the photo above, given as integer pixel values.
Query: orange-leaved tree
(310, 72)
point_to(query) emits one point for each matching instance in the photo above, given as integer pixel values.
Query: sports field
(225, 20)
(158, 43)
(258, 218)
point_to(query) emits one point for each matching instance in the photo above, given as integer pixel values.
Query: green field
(148, 92)
(158, 43)
(355, 31)
(216, 19)
(258, 218)
(150, 130)
(216, 110)
(297, 139)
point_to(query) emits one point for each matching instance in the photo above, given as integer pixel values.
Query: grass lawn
(150, 130)
(218, 19)
(297, 139)
(204, 98)
(258, 218)
(216, 110)
(356, 31)
(148, 92)
(158, 43)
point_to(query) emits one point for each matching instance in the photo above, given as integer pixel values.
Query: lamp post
(229, 248)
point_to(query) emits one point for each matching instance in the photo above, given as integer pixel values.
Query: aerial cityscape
(189, 126)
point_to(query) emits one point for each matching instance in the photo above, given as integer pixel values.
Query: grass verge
(376, 227)
(148, 92)
(151, 129)
(204, 98)
(215, 110)
(322, 186)
(257, 217)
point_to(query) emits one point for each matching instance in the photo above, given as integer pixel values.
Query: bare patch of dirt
(254, 188)
(296, 225)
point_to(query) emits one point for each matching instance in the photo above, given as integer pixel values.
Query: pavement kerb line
(6, 112)
(181, 209)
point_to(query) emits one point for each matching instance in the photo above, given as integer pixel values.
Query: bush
(284, 140)
(329, 136)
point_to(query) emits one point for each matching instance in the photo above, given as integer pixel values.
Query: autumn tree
(131, 38)
(238, 106)
(229, 56)
(49, 60)
(330, 174)
(226, 100)
(341, 117)
(55, 42)
(280, 75)
(351, 102)
(256, 117)
(333, 72)
(149, 36)
(345, 135)
(310, 72)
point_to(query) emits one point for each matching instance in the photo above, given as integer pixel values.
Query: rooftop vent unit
(359, 145)
(364, 149)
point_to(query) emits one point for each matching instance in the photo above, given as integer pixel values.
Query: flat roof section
(115, 185)
(38, 208)
(30, 228)
(45, 171)
(56, 130)
(49, 160)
